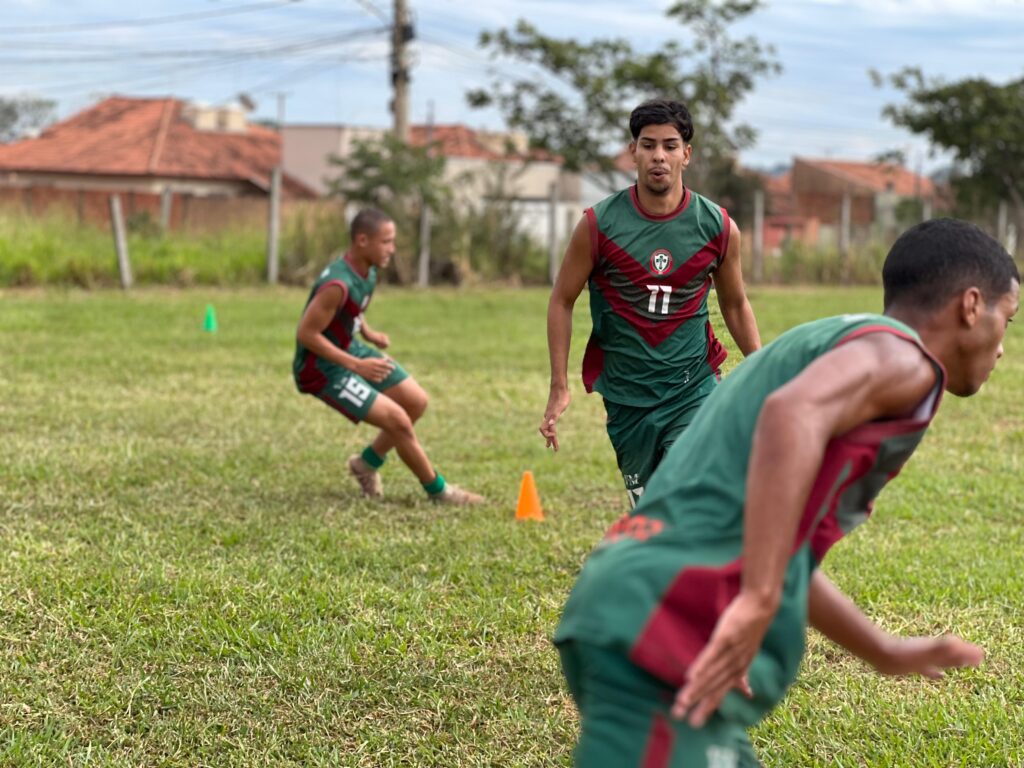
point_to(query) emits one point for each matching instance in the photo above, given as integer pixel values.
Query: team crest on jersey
(661, 261)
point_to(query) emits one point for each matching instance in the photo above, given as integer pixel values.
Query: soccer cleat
(368, 478)
(454, 496)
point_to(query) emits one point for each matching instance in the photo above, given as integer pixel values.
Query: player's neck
(661, 204)
(359, 262)
(932, 327)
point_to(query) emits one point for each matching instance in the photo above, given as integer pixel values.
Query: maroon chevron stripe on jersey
(652, 276)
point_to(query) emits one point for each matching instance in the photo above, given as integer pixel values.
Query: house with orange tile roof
(149, 145)
(471, 155)
(806, 204)
(479, 165)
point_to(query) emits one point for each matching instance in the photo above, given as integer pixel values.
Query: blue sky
(329, 57)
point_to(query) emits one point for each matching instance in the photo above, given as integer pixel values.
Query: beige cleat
(368, 478)
(454, 496)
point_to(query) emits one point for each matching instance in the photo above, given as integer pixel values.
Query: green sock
(435, 486)
(370, 457)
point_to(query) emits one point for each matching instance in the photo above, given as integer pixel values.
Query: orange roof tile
(778, 192)
(461, 141)
(878, 177)
(123, 136)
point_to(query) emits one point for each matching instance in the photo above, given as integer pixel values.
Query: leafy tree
(979, 122)
(399, 179)
(580, 108)
(22, 114)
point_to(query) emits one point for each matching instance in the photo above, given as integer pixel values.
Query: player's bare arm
(377, 338)
(837, 617)
(873, 377)
(318, 315)
(732, 297)
(572, 277)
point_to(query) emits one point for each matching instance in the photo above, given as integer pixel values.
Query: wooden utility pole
(1001, 220)
(274, 208)
(166, 201)
(274, 225)
(423, 277)
(124, 265)
(844, 236)
(401, 34)
(553, 262)
(758, 244)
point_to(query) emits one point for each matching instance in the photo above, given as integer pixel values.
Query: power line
(373, 10)
(208, 64)
(243, 53)
(318, 67)
(151, 21)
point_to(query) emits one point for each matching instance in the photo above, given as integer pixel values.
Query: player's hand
(558, 401)
(723, 663)
(378, 339)
(928, 656)
(375, 369)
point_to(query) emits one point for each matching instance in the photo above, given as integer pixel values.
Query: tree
(979, 122)
(579, 109)
(23, 114)
(399, 179)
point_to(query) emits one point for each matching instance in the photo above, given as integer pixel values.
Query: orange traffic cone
(528, 507)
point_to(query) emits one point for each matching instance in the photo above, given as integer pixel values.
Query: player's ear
(972, 306)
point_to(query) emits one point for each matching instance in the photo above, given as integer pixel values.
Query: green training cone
(210, 323)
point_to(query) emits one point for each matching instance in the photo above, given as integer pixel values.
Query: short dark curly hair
(661, 112)
(367, 222)
(934, 261)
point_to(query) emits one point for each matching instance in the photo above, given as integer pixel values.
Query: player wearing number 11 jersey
(650, 255)
(357, 380)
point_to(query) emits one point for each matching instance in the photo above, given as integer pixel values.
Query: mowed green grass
(189, 578)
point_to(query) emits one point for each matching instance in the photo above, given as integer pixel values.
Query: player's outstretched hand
(928, 656)
(558, 401)
(723, 663)
(375, 369)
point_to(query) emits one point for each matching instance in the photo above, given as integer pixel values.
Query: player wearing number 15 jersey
(650, 255)
(357, 380)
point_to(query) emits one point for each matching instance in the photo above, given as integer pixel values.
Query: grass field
(188, 577)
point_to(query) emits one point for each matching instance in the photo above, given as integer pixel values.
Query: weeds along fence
(64, 237)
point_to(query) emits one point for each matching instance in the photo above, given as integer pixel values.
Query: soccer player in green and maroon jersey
(650, 254)
(356, 380)
(688, 621)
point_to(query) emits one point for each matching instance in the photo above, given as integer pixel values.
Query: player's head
(372, 235)
(961, 285)
(661, 112)
(661, 131)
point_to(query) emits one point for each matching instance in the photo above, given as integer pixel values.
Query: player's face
(661, 156)
(983, 345)
(382, 245)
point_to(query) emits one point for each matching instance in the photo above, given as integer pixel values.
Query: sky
(326, 61)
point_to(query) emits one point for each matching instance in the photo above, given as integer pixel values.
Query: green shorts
(642, 436)
(625, 720)
(349, 393)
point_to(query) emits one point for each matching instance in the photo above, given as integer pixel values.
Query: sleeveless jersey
(311, 372)
(657, 583)
(648, 297)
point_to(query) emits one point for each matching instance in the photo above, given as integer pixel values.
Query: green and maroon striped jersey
(308, 369)
(648, 297)
(657, 583)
